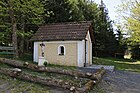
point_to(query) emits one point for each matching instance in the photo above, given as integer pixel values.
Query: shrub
(45, 63)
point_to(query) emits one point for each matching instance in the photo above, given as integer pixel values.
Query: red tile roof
(63, 31)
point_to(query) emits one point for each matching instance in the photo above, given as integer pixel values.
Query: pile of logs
(18, 73)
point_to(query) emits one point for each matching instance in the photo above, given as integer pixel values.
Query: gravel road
(121, 82)
(117, 82)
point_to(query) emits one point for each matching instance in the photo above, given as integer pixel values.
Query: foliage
(121, 40)
(35, 12)
(105, 41)
(135, 51)
(134, 23)
(5, 32)
(130, 12)
(45, 63)
(15, 15)
(62, 11)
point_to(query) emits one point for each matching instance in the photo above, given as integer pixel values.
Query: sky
(111, 5)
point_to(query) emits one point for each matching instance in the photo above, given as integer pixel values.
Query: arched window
(61, 50)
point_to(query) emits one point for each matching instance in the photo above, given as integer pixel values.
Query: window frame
(60, 51)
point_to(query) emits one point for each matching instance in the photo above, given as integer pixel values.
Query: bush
(45, 63)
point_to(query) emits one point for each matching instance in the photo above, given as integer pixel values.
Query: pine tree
(17, 13)
(105, 38)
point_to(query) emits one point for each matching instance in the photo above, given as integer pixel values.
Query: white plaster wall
(87, 52)
(68, 59)
(91, 54)
(81, 53)
(88, 49)
(35, 52)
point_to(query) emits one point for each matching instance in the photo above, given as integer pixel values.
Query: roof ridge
(76, 22)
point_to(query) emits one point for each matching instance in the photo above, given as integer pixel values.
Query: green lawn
(120, 64)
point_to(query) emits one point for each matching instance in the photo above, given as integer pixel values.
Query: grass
(63, 67)
(120, 64)
(18, 86)
(28, 57)
(6, 56)
(97, 89)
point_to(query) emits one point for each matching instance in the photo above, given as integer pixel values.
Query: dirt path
(121, 82)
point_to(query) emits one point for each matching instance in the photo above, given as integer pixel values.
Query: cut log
(99, 74)
(18, 73)
(37, 79)
(75, 73)
(85, 89)
(89, 85)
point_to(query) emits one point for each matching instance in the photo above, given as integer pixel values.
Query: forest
(20, 19)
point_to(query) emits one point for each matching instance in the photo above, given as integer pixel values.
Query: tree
(8, 12)
(28, 12)
(121, 40)
(85, 10)
(62, 11)
(22, 12)
(134, 23)
(129, 11)
(105, 38)
(4, 26)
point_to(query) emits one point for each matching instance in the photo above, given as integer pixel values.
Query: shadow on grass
(123, 60)
(120, 64)
(6, 56)
(25, 57)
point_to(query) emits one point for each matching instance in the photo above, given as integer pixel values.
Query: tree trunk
(95, 77)
(14, 40)
(14, 28)
(18, 73)
(75, 73)
(27, 44)
(87, 87)
(21, 46)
